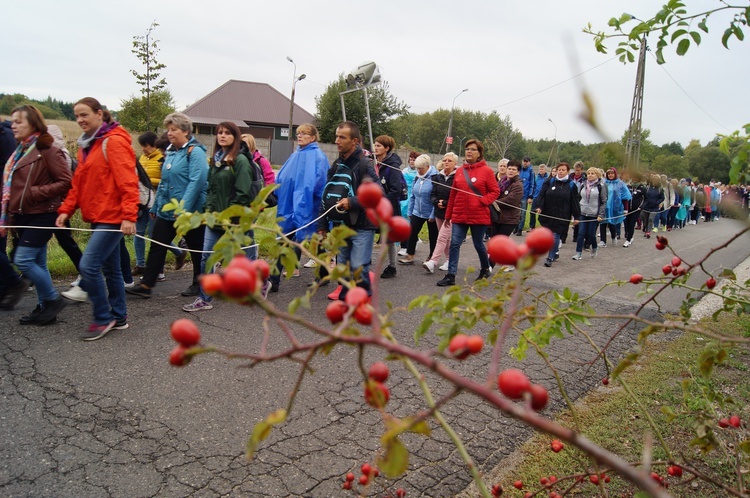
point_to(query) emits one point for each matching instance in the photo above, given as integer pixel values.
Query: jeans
(102, 255)
(127, 272)
(210, 237)
(522, 221)
(586, 232)
(358, 253)
(556, 246)
(32, 261)
(458, 235)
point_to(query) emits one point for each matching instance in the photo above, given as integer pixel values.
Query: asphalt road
(112, 418)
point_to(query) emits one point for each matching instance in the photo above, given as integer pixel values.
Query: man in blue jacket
(539, 180)
(526, 174)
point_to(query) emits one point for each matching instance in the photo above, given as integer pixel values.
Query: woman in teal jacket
(184, 177)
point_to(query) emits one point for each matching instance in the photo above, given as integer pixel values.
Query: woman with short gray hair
(184, 176)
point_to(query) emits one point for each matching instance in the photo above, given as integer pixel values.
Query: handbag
(495, 212)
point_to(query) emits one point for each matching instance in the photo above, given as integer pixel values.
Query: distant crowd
(121, 195)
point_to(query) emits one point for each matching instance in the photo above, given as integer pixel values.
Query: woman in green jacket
(229, 183)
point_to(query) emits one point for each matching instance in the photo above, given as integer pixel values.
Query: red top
(464, 206)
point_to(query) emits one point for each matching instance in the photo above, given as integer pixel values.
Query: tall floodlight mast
(633, 145)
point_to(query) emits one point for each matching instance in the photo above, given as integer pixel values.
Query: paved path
(112, 418)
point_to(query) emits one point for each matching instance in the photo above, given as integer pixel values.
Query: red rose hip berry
(369, 194)
(378, 371)
(185, 332)
(513, 383)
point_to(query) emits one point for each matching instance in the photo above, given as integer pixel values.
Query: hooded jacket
(105, 188)
(152, 164)
(183, 178)
(40, 179)
(420, 204)
(528, 178)
(559, 202)
(228, 184)
(464, 206)
(390, 179)
(618, 196)
(301, 180)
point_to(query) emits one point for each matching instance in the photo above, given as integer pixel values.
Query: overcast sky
(507, 53)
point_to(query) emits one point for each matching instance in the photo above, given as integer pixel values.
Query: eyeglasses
(468, 149)
(302, 134)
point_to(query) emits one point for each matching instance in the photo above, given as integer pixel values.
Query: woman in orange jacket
(105, 188)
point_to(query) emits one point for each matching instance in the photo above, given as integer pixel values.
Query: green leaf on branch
(728, 273)
(626, 362)
(263, 429)
(696, 37)
(671, 415)
(677, 34)
(683, 46)
(395, 460)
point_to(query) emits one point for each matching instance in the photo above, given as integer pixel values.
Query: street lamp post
(295, 79)
(450, 121)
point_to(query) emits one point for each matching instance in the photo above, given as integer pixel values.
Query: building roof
(246, 101)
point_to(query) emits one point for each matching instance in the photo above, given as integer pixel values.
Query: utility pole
(633, 145)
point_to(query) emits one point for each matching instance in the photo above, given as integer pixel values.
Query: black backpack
(258, 181)
(404, 194)
(340, 186)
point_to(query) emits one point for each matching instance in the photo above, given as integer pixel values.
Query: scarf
(589, 186)
(86, 141)
(21, 150)
(503, 183)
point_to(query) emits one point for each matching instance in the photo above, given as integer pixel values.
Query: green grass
(609, 417)
(60, 266)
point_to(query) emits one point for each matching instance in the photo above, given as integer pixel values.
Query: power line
(552, 86)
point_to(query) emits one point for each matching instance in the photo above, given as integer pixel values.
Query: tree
(383, 108)
(136, 116)
(503, 137)
(708, 163)
(671, 165)
(145, 49)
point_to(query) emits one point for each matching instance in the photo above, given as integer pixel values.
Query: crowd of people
(120, 195)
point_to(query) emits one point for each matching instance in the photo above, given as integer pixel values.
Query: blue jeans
(107, 293)
(522, 221)
(556, 246)
(586, 232)
(32, 262)
(210, 237)
(358, 253)
(458, 235)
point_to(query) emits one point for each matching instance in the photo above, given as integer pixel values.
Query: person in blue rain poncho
(301, 181)
(618, 200)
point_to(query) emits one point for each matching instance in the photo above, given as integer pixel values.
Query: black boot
(389, 272)
(485, 273)
(14, 293)
(447, 281)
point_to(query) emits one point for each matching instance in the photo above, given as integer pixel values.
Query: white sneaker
(443, 267)
(626, 243)
(616, 240)
(76, 294)
(402, 252)
(310, 264)
(429, 266)
(602, 243)
(508, 269)
(129, 285)
(76, 282)
(198, 305)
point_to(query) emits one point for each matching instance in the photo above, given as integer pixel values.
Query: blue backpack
(340, 186)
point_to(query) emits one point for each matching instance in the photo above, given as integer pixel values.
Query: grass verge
(612, 420)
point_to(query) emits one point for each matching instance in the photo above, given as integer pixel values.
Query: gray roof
(249, 102)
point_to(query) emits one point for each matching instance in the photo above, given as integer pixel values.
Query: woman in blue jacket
(184, 176)
(421, 209)
(618, 197)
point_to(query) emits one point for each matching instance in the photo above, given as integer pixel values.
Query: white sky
(428, 52)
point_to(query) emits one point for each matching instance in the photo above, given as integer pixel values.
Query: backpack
(258, 181)
(404, 193)
(340, 186)
(145, 187)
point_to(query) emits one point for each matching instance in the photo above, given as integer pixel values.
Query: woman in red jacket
(34, 180)
(474, 189)
(105, 187)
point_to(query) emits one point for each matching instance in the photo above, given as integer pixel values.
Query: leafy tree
(9, 102)
(145, 49)
(671, 165)
(136, 116)
(673, 148)
(383, 108)
(708, 163)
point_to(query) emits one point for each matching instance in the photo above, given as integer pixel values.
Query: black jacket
(390, 180)
(559, 200)
(441, 190)
(361, 166)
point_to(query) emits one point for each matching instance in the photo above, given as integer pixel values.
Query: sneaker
(76, 294)
(31, 318)
(519, 233)
(129, 285)
(388, 272)
(161, 277)
(137, 270)
(429, 266)
(333, 296)
(447, 281)
(594, 251)
(14, 294)
(626, 243)
(274, 285)
(76, 282)
(265, 289)
(648, 235)
(443, 267)
(191, 291)
(408, 260)
(294, 274)
(548, 262)
(602, 243)
(136, 290)
(198, 305)
(577, 256)
(508, 269)
(655, 230)
(121, 324)
(616, 240)
(402, 251)
(96, 331)
(310, 264)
